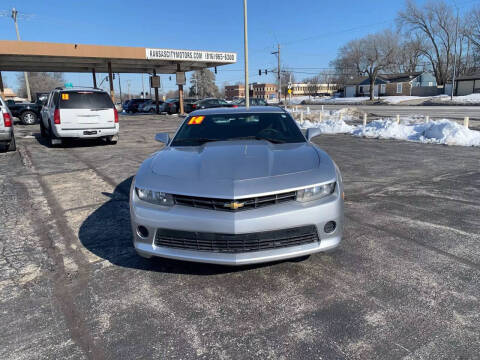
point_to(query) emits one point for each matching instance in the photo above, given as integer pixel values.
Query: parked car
(7, 136)
(252, 102)
(210, 103)
(171, 106)
(250, 189)
(125, 105)
(187, 104)
(151, 106)
(132, 105)
(141, 106)
(79, 113)
(28, 113)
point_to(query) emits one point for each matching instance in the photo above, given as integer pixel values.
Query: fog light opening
(330, 227)
(142, 231)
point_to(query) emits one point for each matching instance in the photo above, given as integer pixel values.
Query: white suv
(79, 113)
(7, 138)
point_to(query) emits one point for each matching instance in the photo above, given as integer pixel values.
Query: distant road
(435, 112)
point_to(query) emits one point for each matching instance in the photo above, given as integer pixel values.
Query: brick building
(264, 91)
(234, 91)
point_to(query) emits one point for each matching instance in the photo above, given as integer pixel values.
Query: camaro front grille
(236, 243)
(234, 205)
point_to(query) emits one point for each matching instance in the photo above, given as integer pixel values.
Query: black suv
(132, 105)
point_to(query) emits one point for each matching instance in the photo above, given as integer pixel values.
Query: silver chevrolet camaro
(237, 186)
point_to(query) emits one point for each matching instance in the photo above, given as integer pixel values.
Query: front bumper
(281, 216)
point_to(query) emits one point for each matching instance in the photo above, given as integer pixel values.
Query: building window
(430, 83)
(399, 88)
(382, 88)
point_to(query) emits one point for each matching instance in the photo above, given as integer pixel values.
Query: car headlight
(154, 197)
(316, 192)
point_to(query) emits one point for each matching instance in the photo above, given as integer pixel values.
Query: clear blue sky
(309, 31)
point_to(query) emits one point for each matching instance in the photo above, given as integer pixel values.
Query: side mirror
(163, 138)
(312, 132)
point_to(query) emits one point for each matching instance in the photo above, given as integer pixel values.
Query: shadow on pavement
(106, 232)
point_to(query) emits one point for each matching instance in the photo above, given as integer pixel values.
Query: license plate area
(90, 132)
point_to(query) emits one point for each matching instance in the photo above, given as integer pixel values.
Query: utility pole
(120, 88)
(454, 58)
(128, 87)
(245, 36)
(279, 80)
(27, 84)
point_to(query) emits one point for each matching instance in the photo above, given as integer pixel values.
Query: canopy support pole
(94, 78)
(110, 80)
(157, 108)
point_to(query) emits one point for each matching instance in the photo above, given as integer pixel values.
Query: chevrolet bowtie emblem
(233, 205)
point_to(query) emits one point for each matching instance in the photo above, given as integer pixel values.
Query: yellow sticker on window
(65, 97)
(196, 120)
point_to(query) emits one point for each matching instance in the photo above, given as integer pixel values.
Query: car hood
(233, 169)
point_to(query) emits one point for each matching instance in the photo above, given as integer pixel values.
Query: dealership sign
(191, 55)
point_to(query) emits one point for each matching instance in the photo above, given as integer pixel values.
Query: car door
(44, 110)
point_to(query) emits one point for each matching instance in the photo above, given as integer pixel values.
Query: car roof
(239, 110)
(81, 89)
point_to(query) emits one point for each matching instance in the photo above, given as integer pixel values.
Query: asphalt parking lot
(403, 284)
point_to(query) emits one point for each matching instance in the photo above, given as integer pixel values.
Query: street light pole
(27, 84)
(247, 87)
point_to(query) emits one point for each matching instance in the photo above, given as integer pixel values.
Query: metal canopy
(54, 57)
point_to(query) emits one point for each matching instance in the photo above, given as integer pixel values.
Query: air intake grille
(228, 204)
(236, 243)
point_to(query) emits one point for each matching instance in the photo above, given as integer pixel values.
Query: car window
(85, 100)
(222, 102)
(275, 127)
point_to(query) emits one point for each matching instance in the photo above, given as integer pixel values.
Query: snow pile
(437, 132)
(329, 126)
(297, 100)
(400, 99)
(444, 131)
(466, 99)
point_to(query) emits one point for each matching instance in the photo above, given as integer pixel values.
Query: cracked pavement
(404, 284)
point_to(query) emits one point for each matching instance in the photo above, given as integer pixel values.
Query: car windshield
(85, 100)
(273, 127)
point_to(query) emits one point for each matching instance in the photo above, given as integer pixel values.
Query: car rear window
(85, 100)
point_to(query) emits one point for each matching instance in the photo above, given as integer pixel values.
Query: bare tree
(435, 22)
(409, 55)
(369, 56)
(203, 84)
(39, 82)
(472, 32)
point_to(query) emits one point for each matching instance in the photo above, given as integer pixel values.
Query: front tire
(28, 118)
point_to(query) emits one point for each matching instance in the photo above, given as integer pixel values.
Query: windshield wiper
(255, 137)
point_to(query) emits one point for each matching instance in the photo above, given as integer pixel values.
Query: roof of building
(472, 76)
(43, 56)
(390, 78)
(401, 77)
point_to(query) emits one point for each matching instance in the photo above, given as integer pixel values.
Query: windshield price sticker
(196, 120)
(65, 97)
